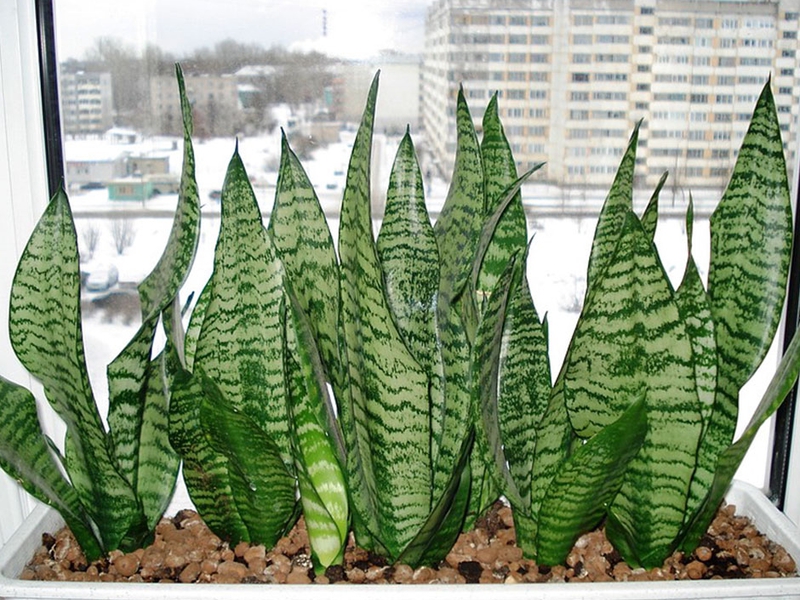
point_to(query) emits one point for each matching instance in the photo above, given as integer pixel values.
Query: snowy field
(556, 265)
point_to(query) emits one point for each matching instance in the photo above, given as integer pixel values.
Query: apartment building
(214, 98)
(87, 102)
(574, 76)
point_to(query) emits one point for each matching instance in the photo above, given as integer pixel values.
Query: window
(497, 70)
(579, 96)
(581, 58)
(581, 39)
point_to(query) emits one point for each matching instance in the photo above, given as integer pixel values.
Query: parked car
(102, 277)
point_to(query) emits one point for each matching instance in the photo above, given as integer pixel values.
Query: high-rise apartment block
(87, 102)
(574, 76)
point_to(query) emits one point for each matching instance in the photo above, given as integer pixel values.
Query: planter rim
(749, 501)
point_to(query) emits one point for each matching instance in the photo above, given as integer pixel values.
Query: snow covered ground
(556, 266)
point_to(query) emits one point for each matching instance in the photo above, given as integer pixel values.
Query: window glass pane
(254, 67)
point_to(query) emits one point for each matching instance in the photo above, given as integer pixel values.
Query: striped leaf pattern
(137, 414)
(751, 233)
(205, 471)
(457, 231)
(317, 449)
(263, 488)
(781, 384)
(629, 338)
(240, 345)
(389, 405)
(45, 332)
(500, 171)
(409, 259)
(650, 216)
(587, 482)
(553, 440)
(484, 372)
(524, 384)
(25, 456)
(616, 207)
(303, 241)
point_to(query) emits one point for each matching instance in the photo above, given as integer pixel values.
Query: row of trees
(132, 70)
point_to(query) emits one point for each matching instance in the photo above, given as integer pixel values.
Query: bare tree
(123, 234)
(91, 236)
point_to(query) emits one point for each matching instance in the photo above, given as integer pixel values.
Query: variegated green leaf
(485, 367)
(240, 346)
(25, 455)
(630, 337)
(45, 331)
(440, 532)
(781, 384)
(263, 488)
(500, 171)
(616, 207)
(387, 415)
(457, 232)
(205, 471)
(553, 441)
(301, 236)
(524, 384)
(650, 215)
(409, 259)
(751, 232)
(196, 326)
(317, 447)
(587, 483)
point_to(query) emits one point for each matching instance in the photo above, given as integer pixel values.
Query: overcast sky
(355, 29)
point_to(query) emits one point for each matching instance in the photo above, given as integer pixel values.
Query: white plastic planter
(749, 501)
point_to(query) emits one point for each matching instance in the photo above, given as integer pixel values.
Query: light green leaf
(387, 415)
(500, 172)
(587, 483)
(25, 455)
(240, 346)
(45, 331)
(650, 216)
(303, 241)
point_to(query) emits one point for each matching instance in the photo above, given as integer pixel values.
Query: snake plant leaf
(240, 346)
(158, 463)
(751, 231)
(318, 449)
(137, 415)
(554, 439)
(587, 483)
(25, 455)
(387, 422)
(630, 337)
(499, 172)
(196, 326)
(439, 533)
(695, 311)
(751, 237)
(165, 280)
(485, 367)
(457, 231)
(650, 216)
(616, 207)
(263, 488)
(45, 332)
(488, 232)
(779, 387)
(303, 241)
(205, 471)
(524, 384)
(409, 258)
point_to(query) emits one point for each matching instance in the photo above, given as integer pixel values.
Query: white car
(101, 278)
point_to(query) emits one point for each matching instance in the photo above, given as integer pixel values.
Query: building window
(580, 77)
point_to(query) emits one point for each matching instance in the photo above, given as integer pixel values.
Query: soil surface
(185, 551)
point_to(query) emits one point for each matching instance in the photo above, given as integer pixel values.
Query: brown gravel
(185, 551)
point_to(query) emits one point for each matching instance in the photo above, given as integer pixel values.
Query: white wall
(23, 193)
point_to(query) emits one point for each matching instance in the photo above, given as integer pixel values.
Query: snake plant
(111, 486)
(638, 426)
